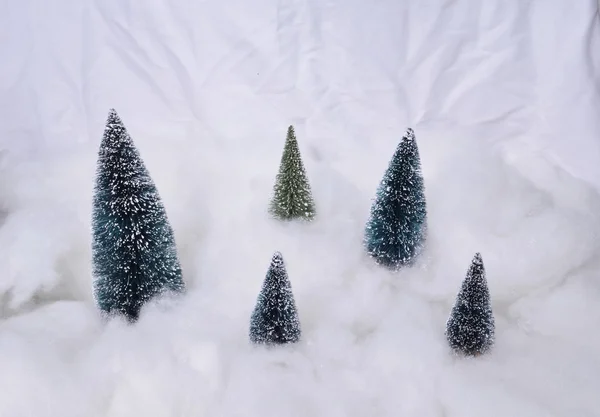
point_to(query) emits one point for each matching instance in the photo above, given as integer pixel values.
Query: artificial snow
(502, 98)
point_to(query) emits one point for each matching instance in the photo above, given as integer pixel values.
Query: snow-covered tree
(275, 318)
(292, 196)
(396, 230)
(133, 247)
(470, 327)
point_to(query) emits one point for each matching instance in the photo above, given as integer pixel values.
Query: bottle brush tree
(133, 247)
(470, 327)
(275, 318)
(292, 196)
(396, 229)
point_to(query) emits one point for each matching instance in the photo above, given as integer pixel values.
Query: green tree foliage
(133, 247)
(396, 230)
(470, 327)
(292, 196)
(275, 319)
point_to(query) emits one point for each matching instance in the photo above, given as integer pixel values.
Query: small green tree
(396, 230)
(470, 327)
(133, 247)
(275, 319)
(292, 196)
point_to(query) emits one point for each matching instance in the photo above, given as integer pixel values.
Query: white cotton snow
(502, 100)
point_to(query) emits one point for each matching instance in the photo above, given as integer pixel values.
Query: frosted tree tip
(409, 134)
(277, 259)
(477, 259)
(113, 116)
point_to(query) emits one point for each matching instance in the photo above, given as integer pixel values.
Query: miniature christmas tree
(396, 229)
(292, 196)
(470, 328)
(275, 319)
(133, 247)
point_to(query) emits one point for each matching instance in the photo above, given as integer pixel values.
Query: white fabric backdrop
(508, 71)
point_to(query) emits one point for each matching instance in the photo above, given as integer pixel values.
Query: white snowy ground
(504, 99)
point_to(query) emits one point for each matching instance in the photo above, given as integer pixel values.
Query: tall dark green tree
(470, 327)
(292, 196)
(133, 247)
(396, 230)
(275, 318)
